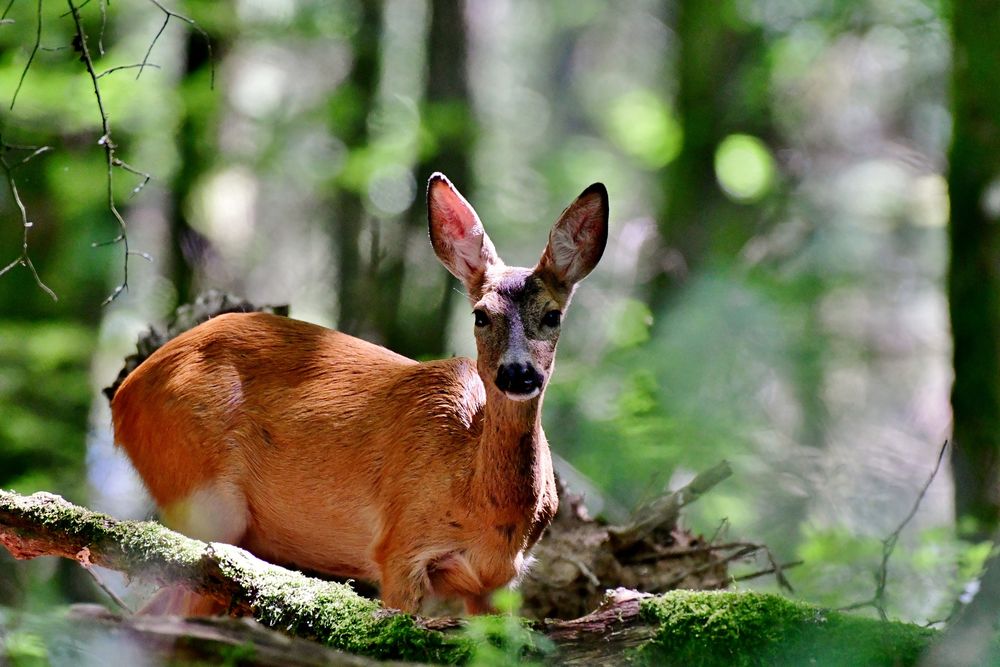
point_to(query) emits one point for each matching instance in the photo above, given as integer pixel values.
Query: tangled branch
(111, 159)
(106, 140)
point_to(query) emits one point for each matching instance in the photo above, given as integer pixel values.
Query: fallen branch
(46, 525)
(680, 627)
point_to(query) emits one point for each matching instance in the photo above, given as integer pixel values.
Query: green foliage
(23, 649)
(504, 638)
(677, 393)
(743, 629)
(44, 399)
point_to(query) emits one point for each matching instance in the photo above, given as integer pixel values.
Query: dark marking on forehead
(518, 284)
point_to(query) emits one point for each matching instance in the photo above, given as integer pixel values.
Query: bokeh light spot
(744, 167)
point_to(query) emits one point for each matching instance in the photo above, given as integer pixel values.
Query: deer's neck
(512, 460)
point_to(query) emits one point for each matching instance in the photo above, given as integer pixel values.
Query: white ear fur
(457, 234)
(577, 240)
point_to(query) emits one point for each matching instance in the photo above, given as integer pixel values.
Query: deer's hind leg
(216, 512)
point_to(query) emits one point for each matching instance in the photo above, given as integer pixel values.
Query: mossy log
(676, 628)
(46, 525)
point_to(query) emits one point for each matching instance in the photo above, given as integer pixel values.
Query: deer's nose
(518, 379)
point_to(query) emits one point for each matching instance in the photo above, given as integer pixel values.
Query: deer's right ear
(457, 234)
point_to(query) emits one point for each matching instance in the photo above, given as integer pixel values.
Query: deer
(317, 450)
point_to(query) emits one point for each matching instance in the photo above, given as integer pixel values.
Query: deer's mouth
(523, 396)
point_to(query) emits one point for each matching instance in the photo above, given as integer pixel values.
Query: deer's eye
(552, 318)
(482, 319)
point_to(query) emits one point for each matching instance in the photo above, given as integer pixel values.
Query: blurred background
(774, 292)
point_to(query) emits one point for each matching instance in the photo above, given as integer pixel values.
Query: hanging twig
(34, 50)
(168, 14)
(771, 570)
(3, 17)
(103, 4)
(24, 259)
(121, 67)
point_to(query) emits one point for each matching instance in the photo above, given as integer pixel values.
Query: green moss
(725, 628)
(334, 614)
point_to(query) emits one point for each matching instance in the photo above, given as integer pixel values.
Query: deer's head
(517, 311)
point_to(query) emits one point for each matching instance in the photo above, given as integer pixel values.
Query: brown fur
(323, 451)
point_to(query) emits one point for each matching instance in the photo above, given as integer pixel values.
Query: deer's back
(320, 431)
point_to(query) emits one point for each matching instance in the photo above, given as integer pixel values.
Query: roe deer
(311, 448)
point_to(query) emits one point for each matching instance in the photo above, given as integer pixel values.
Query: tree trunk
(415, 319)
(196, 144)
(698, 222)
(974, 274)
(351, 107)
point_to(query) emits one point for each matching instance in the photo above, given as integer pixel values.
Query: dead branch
(579, 558)
(877, 601)
(664, 511)
(46, 525)
(174, 640)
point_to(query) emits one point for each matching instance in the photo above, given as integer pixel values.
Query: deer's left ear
(577, 240)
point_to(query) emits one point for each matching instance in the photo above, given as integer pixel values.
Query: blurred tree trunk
(723, 87)
(697, 222)
(196, 147)
(415, 319)
(974, 275)
(350, 109)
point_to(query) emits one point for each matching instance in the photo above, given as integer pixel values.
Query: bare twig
(666, 552)
(168, 14)
(739, 550)
(584, 570)
(110, 593)
(889, 544)
(34, 50)
(104, 24)
(767, 571)
(24, 259)
(121, 164)
(704, 567)
(121, 67)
